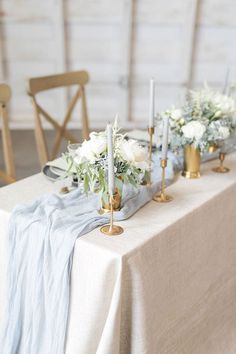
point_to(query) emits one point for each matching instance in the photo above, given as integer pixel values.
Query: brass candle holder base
(162, 197)
(221, 168)
(111, 229)
(192, 175)
(150, 132)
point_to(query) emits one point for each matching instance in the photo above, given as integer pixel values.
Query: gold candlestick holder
(111, 229)
(150, 132)
(162, 197)
(221, 168)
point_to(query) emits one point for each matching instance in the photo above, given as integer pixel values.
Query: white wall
(179, 42)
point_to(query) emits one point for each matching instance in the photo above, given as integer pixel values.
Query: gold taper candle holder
(162, 197)
(221, 168)
(111, 229)
(150, 132)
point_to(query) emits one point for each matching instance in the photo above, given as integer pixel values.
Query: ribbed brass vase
(192, 162)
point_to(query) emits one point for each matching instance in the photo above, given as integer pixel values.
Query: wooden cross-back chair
(36, 85)
(9, 175)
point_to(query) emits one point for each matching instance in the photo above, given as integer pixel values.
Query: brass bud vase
(213, 148)
(192, 161)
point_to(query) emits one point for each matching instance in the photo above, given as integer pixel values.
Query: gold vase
(106, 207)
(192, 161)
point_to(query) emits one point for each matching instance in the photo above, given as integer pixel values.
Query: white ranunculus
(176, 114)
(193, 130)
(223, 132)
(131, 151)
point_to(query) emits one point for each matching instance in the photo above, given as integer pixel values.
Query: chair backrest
(9, 175)
(36, 85)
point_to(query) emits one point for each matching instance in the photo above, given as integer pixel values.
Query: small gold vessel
(212, 148)
(192, 161)
(106, 206)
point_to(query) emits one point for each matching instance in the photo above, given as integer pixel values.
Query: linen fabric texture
(42, 236)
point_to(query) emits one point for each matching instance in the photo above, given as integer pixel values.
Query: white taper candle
(111, 176)
(152, 104)
(165, 137)
(226, 82)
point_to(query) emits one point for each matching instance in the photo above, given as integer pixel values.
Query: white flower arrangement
(90, 162)
(206, 118)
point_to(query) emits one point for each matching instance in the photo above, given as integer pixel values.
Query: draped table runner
(167, 285)
(41, 240)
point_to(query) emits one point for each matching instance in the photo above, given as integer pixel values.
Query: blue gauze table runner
(41, 240)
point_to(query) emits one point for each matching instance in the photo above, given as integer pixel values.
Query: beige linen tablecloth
(166, 286)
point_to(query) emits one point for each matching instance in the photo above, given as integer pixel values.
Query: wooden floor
(25, 153)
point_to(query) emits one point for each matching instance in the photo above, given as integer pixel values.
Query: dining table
(167, 285)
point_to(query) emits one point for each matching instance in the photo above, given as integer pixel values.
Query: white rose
(193, 130)
(223, 132)
(133, 152)
(99, 145)
(176, 114)
(92, 148)
(125, 151)
(85, 151)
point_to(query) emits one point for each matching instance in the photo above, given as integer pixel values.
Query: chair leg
(7, 179)
(85, 125)
(57, 144)
(40, 138)
(7, 146)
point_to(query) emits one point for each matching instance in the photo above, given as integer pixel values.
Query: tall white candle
(111, 176)
(165, 137)
(152, 104)
(226, 83)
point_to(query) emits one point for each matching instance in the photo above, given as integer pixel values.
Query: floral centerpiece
(90, 163)
(206, 118)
